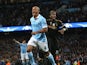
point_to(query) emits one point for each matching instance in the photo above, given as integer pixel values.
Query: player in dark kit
(53, 31)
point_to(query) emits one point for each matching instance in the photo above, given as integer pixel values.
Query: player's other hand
(61, 31)
(14, 39)
(33, 33)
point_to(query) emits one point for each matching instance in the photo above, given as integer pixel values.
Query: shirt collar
(37, 17)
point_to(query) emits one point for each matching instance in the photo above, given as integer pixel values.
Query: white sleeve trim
(44, 26)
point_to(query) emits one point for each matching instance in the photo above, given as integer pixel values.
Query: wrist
(64, 29)
(37, 32)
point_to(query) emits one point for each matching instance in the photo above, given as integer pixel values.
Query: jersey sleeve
(44, 23)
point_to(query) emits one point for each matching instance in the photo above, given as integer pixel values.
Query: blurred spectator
(67, 62)
(20, 14)
(8, 62)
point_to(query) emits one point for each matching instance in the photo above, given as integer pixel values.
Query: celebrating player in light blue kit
(24, 54)
(39, 27)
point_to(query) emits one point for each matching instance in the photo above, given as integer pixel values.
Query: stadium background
(17, 13)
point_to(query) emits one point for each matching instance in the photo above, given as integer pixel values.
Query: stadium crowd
(72, 48)
(19, 14)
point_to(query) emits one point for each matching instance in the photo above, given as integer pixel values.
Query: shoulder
(21, 44)
(42, 17)
(58, 20)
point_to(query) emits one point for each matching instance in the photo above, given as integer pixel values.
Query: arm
(16, 41)
(52, 27)
(40, 31)
(63, 28)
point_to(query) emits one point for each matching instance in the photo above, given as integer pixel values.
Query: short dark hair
(52, 11)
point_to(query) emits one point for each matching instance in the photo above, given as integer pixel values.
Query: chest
(23, 45)
(36, 22)
(54, 23)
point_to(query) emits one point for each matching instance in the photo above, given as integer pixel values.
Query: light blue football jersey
(23, 47)
(37, 24)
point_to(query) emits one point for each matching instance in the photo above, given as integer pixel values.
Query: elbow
(46, 29)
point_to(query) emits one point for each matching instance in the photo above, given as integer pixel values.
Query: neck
(36, 16)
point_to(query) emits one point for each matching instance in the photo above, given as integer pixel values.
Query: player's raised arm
(16, 41)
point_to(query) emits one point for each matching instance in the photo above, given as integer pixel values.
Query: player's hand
(14, 39)
(61, 31)
(34, 33)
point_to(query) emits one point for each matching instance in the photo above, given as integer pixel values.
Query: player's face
(35, 11)
(24, 41)
(53, 15)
